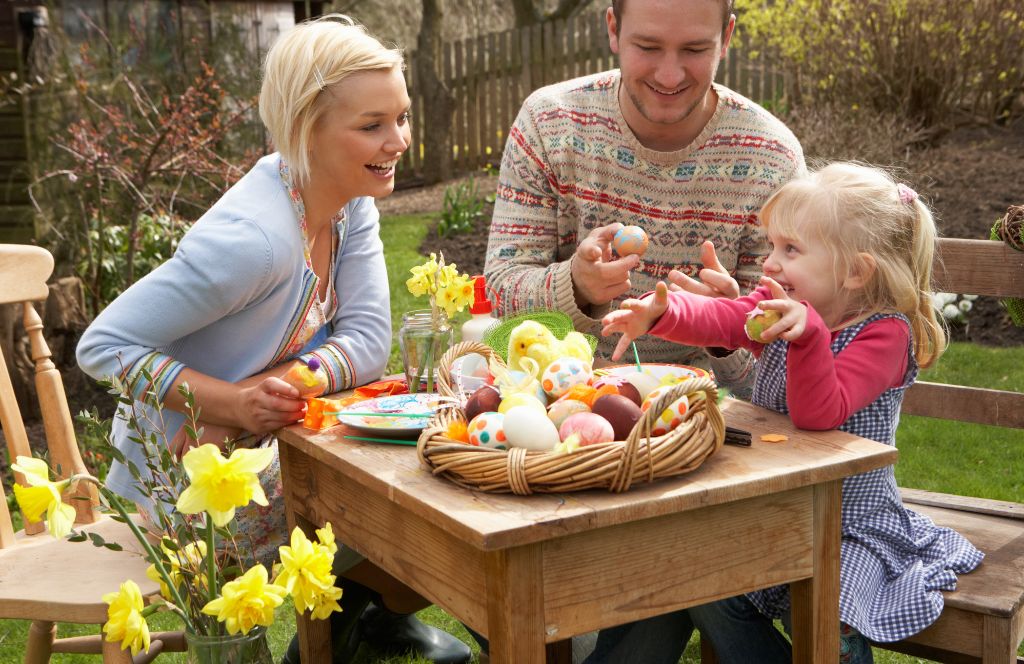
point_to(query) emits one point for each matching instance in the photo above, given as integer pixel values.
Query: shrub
(462, 206)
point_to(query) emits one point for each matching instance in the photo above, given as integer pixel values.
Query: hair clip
(907, 195)
(319, 78)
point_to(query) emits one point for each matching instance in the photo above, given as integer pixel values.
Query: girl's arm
(823, 391)
(696, 320)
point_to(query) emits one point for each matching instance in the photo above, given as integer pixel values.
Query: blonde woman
(849, 273)
(287, 266)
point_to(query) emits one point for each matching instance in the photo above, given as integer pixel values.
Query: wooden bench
(983, 619)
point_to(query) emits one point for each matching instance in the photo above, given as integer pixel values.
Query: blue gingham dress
(893, 562)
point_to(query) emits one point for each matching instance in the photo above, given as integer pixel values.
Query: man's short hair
(619, 5)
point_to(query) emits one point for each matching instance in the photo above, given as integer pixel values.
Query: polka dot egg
(672, 416)
(563, 373)
(630, 240)
(488, 430)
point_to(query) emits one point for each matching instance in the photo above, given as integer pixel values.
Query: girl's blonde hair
(299, 71)
(858, 210)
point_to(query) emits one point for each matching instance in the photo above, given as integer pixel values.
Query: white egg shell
(560, 410)
(671, 417)
(644, 383)
(525, 427)
(563, 373)
(488, 430)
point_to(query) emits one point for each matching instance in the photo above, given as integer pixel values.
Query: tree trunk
(438, 102)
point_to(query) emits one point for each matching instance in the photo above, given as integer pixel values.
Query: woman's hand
(715, 280)
(634, 318)
(268, 405)
(794, 314)
(215, 434)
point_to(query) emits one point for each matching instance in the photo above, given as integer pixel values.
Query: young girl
(849, 272)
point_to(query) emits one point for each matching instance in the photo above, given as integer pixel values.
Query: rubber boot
(344, 625)
(399, 633)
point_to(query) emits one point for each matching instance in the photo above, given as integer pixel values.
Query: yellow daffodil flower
(191, 555)
(247, 601)
(218, 485)
(42, 495)
(305, 572)
(125, 623)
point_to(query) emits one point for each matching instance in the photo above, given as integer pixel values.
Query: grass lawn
(980, 461)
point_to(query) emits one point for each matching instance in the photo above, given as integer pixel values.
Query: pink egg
(629, 240)
(672, 416)
(589, 427)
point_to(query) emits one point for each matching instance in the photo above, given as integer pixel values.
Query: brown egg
(625, 388)
(620, 411)
(483, 400)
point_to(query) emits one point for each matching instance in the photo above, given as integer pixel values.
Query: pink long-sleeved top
(823, 389)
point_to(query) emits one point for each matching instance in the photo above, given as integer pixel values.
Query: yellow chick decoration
(533, 340)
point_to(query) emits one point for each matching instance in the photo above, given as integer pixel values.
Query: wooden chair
(43, 579)
(983, 619)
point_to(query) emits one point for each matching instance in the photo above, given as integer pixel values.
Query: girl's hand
(634, 318)
(794, 314)
(715, 280)
(268, 405)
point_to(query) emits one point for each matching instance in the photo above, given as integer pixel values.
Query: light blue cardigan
(233, 295)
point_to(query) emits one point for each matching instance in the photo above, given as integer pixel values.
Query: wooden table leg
(815, 601)
(515, 605)
(314, 635)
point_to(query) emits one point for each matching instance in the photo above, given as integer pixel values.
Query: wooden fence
(490, 76)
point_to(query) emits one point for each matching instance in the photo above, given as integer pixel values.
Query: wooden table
(536, 570)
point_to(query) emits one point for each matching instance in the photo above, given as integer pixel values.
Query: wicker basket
(614, 466)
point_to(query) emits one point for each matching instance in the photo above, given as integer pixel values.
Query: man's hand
(634, 318)
(598, 277)
(715, 280)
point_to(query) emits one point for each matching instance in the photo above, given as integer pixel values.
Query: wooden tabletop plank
(493, 521)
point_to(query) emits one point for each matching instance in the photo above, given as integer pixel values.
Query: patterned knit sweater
(572, 164)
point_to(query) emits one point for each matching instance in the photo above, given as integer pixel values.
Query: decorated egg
(671, 417)
(644, 383)
(563, 373)
(521, 399)
(528, 428)
(590, 428)
(620, 412)
(630, 240)
(625, 388)
(563, 408)
(488, 430)
(484, 399)
(759, 320)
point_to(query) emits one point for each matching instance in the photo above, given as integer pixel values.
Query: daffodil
(43, 496)
(305, 572)
(218, 485)
(247, 601)
(125, 622)
(190, 557)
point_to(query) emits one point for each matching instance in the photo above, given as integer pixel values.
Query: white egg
(644, 382)
(525, 427)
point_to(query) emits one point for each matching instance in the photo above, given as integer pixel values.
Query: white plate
(662, 372)
(421, 403)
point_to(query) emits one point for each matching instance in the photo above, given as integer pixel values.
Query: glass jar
(248, 648)
(423, 341)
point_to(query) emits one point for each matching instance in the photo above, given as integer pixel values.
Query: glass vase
(248, 648)
(423, 340)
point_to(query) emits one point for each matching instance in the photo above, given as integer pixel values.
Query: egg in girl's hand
(563, 408)
(517, 399)
(759, 320)
(563, 373)
(629, 240)
(488, 430)
(527, 428)
(590, 428)
(671, 417)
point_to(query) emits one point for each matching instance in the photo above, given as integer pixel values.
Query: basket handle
(445, 385)
(642, 429)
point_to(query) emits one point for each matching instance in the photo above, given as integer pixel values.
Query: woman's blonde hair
(857, 210)
(305, 62)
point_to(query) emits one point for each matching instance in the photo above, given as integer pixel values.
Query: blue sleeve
(219, 268)
(358, 350)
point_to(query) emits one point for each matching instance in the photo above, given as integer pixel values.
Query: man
(655, 144)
